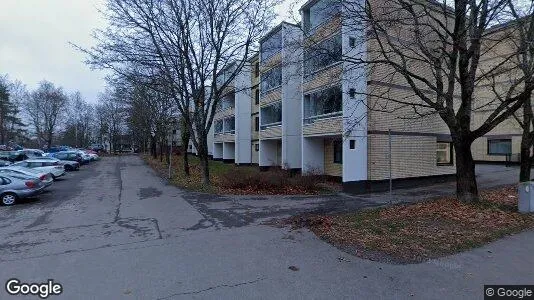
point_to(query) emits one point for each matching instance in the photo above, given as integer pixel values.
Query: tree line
(48, 115)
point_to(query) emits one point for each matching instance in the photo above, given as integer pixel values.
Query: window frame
(451, 154)
(498, 140)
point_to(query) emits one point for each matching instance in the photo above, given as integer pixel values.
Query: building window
(322, 104)
(352, 93)
(271, 46)
(352, 144)
(271, 115)
(320, 12)
(257, 124)
(257, 69)
(257, 96)
(218, 126)
(257, 147)
(229, 125)
(352, 42)
(271, 79)
(500, 147)
(444, 153)
(338, 152)
(323, 54)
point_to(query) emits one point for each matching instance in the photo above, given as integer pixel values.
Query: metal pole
(170, 157)
(390, 177)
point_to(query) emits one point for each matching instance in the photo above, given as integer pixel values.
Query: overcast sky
(34, 42)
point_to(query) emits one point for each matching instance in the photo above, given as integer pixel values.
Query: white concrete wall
(243, 133)
(228, 150)
(312, 155)
(354, 109)
(291, 97)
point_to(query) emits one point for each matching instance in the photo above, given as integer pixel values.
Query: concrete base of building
(217, 159)
(244, 164)
(371, 186)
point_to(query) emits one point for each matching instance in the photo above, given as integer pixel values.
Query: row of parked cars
(28, 172)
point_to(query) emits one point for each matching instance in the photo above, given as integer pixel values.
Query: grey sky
(35, 36)
(34, 43)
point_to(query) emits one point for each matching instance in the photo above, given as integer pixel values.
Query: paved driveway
(116, 231)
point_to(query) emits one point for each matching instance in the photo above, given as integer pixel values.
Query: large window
(500, 147)
(320, 12)
(229, 125)
(271, 115)
(271, 79)
(228, 101)
(324, 103)
(219, 126)
(257, 96)
(323, 54)
(444, 153)
(271, 45)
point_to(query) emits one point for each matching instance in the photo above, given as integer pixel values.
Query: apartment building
(232, 132)
(342, 135)
(280, 98)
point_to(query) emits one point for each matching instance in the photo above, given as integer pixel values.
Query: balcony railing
(312, 119)
(263, 127)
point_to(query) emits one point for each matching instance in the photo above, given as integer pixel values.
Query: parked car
(57, 149)
(15, 187)
(97, 148)
(68, 165)
(46, 178)
(92, 154)
(43, 165)
(33, 152)
(68, 155)
(13, 156)
(86, 158)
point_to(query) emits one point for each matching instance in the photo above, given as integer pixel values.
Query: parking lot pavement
(114, 230)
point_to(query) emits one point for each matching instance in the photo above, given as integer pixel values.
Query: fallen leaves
(416, 232)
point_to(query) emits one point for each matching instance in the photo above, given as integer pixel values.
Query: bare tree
(190, 42)
(46, 107)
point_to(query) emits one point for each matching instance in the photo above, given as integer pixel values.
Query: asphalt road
(114, 230)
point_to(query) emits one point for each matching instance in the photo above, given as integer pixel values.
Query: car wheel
(9, 199)
(68, 168)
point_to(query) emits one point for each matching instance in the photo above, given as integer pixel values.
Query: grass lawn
(240, 180)
(417, 232)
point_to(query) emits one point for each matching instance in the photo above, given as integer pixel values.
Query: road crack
(213, 288)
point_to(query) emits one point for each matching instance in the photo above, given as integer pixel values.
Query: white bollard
(525, 192)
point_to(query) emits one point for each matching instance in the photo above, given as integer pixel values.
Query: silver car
(46, 178)
(14, 187)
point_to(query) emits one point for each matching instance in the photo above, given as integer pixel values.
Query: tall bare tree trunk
(466, 183)
(526, 159)
(526, 142)
(203, 156)
(185, 136)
